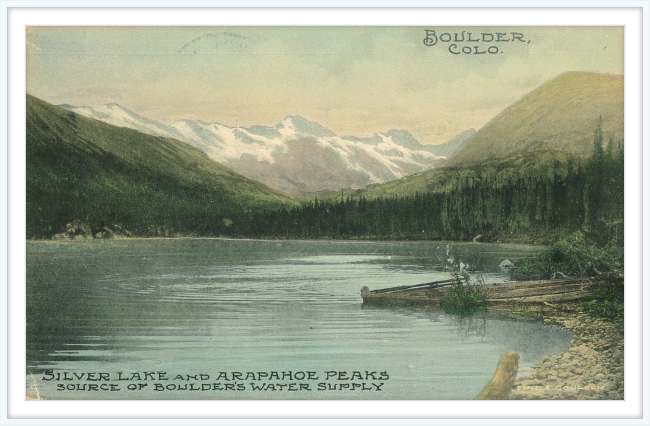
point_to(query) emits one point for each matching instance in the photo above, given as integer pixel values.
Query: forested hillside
(541, 197)
(98, 175)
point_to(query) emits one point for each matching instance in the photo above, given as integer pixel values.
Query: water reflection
(474, 326)
(191, 306)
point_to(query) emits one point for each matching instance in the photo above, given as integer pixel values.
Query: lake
(242, 319)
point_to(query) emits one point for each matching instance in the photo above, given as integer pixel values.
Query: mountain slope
(561, 114)
(444, 179)
(99, 174)
(451, 148)
(297, 155)
(119, 116)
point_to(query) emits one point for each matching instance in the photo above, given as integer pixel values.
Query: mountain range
(107, 165)
(296, 156)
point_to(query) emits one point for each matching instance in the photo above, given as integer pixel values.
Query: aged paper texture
(325, 213)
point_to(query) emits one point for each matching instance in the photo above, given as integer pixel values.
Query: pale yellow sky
(352, 80)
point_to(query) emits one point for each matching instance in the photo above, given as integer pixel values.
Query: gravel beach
(593, 368)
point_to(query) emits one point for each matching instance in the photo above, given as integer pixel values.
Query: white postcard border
(15, 410)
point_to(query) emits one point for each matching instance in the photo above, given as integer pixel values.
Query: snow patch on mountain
(119, 116)
(296, 155)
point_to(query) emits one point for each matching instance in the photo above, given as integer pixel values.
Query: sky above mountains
(352, 80)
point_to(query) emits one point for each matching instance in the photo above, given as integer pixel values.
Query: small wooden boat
(550, 291)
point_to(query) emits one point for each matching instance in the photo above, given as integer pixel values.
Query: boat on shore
(543, 291)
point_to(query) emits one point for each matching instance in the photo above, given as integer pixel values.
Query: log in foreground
(549, 291)
(504, 378)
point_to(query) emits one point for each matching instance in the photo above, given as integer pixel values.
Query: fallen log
(547, 291)
(503, 379)
(434, 284)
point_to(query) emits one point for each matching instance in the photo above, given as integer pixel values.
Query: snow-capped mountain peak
(296, 155)
(299, 124)
(404, 138)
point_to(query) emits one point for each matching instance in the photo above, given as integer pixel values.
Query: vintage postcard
(325, 213)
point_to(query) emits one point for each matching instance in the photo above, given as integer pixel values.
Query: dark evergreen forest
(529, 200)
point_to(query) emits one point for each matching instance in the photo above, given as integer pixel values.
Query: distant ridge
(562, 114)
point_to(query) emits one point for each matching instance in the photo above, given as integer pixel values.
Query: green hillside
(83, 170)
(561, 114)
(441, 180)
(541, 197)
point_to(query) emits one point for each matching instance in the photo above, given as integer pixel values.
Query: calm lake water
(210, 306)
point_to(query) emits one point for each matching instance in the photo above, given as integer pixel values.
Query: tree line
(543, 196)
(544, 200)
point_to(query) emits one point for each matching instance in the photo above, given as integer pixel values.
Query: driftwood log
(504, 378)
(549, 291)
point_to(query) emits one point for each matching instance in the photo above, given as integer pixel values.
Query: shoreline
(299, 240)
(591, 369)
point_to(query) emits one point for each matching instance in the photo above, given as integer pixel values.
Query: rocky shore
(593, 368)
(78, 231)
